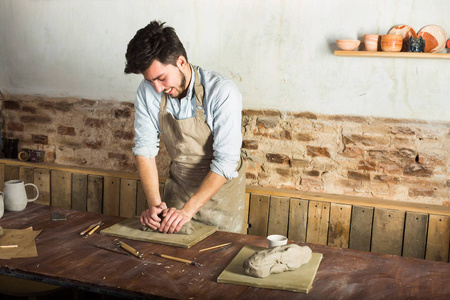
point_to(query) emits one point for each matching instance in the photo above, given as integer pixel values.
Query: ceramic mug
(15, 195)
(2, 209)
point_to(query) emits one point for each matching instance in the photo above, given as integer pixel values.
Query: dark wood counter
(67, 259)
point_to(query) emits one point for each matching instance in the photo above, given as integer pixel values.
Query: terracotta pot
(391, 42)
(348, 45)
(371, 42)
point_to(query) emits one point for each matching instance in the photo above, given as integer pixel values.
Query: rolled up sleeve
(146, 125)
(227, 118)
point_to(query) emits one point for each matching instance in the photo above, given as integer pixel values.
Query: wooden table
(67, 259)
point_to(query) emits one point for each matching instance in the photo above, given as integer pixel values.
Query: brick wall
(385, 158)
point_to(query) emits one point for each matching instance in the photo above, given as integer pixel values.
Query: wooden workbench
(67, 259)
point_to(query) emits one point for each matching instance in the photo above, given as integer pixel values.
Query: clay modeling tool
(112, 250)
(90, 232)
(178, 259)
(214, 247)
(130, 249)
(91, 227)
(8, 246)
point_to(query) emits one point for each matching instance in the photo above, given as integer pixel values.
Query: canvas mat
(131, 229)
(298, 280)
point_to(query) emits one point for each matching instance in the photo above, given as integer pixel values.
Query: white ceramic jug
(15, 195)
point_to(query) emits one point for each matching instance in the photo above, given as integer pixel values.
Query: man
(197, 114)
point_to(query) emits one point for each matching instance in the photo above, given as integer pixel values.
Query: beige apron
(190, 146)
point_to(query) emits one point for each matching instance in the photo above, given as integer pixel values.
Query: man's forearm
(148, 173)
(208, 188)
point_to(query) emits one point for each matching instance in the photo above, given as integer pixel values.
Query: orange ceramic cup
(391, 42)
(371, 42)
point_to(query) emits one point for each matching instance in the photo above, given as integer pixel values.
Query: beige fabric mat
(298, 280)
(131, 229)
(23, 238)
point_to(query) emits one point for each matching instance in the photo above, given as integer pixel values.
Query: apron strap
(199, 90)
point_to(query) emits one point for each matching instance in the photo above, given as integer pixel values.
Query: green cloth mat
(298, 280)
(131, 229)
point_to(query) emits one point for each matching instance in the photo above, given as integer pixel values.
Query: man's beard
(182, 88)
(183, 81)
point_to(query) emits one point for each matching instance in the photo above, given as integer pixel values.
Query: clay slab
(298, 280)
(131, 229)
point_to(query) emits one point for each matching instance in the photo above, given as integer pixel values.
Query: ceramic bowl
(391, 42)
(405, 31)
(348, 45)
(275, 240)
(434, 37)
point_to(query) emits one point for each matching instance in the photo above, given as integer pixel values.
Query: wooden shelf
(393, 54)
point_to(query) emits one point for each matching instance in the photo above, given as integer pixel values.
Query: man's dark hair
(153, 42)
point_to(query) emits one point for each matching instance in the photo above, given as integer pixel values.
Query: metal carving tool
(112, 250)
(92, 226)
(226, 247)
(130, 249)
(191, 262)
(58, 217)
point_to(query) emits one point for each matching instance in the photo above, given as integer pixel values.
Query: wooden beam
(361, 228)
(246, 210)
(95, 194)
(298, 219)
(258, 214)
(339, 228)
(111, 196)
(278, 216)
(61, 189)
(2, 177)
(415, 238)
(387, 233)
(79, 191)
(128, 195)
(318, 220)
(438, 238)
(11, 172)
(42, 181)
(26, 174)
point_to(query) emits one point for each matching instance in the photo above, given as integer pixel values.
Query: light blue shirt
(222, 104)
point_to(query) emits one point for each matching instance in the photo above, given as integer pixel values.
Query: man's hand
(173, 220)
(150, 217)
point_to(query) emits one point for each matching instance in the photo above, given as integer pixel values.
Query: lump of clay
(276, 260)
(187, 228)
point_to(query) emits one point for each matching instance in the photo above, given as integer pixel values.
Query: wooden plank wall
(377, 228)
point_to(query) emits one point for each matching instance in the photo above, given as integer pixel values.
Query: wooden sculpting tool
(214, 247)
(178, 259)
(8, 246)
(90, 232)
(130, 249)
(91, 227)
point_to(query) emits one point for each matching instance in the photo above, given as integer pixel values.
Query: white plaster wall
(280, 53)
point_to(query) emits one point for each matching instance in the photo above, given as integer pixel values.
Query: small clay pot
(371, 42)
(348, 45)
(391, 42)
